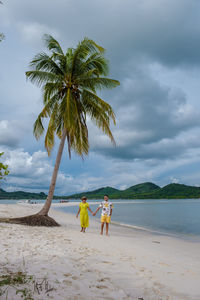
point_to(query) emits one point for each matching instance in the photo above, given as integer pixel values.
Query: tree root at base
(33, 220)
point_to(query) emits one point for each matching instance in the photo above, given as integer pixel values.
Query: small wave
(183, 236)
(137, 227)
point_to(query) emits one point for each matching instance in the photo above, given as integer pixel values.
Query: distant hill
(130, 193)
(96, 194)
(141, 188)
(146, 190)
(174, 191)
(21, 195)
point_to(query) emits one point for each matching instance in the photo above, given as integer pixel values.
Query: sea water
(173, 217)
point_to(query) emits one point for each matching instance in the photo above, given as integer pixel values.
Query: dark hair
(106, 195)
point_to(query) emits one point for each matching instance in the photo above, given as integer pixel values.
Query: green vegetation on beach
(145, 190)
(3, 169)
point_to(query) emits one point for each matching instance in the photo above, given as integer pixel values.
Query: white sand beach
(128, 264)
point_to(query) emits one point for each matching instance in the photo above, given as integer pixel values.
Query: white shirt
(106, 208)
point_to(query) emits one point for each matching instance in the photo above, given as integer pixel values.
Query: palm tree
(69, 82)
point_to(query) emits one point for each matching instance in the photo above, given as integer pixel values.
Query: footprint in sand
(106, 262)
(101, 287)
(68, 282)
(88, 270)
(142, 270)
(104, 279)
(67, 274)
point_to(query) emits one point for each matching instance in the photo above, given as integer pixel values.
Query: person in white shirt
(106, 213)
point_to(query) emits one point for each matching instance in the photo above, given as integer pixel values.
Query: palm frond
(44, 62)
(97, 62)
(52, 44)
(84, 48)
(98, 83)
(42, 77)
(81, 132)
(38, 128)
(100, 112)
(49, 138)
(92, 100)
(52, 89)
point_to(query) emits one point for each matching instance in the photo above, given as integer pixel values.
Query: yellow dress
(84, 218)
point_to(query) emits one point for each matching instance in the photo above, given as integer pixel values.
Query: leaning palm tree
(69, 82)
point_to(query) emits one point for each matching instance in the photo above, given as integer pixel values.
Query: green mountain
(145, 190)
(21, 195)
(141, 188)
(173, 191)
(129, 193)
(25, 195)
(96, 194)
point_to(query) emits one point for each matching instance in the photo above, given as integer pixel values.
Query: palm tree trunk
(44, 211)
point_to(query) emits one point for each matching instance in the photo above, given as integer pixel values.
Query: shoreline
(129, 264)
(183, 236)
(58, 206)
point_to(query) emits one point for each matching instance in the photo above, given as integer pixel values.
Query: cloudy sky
(154, 51)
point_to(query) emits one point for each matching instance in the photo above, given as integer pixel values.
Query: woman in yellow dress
(83, 210)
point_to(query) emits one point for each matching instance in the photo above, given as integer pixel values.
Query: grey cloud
(160, 30)
(161, 150)
(147, 114)
(9, 134)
